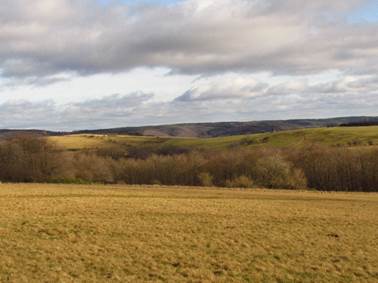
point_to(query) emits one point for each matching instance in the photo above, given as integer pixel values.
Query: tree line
(35, 159)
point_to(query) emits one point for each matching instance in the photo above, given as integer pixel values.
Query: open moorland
(67, 233)
(337, 136)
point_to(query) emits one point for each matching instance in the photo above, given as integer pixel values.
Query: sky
(87, 64)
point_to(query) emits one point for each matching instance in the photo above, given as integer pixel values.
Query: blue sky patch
(367, 13)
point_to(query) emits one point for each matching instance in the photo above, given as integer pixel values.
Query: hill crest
(216, 129)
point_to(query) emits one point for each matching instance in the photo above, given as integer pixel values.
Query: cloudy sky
(79, 64)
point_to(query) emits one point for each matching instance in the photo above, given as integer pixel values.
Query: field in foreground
(60, 233)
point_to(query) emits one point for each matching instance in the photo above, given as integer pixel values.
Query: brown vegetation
(33, 159)
(342, 169)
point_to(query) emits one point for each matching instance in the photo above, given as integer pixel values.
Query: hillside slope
(205, 130)
(209, 130)
(336, 136)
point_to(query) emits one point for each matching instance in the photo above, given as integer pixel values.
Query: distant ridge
(203, 130)
(361, 124)
(206, 130)
(7, 132)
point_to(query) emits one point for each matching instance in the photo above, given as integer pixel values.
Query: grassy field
(62, 233)
(342, 136)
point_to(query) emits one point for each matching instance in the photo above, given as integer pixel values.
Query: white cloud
(204, 60)
(69, 88)
(243, 99)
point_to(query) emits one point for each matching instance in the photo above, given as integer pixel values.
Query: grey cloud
(43, 38)
(95, 113)
(224, 92)
(27, 114)
(343, 96)
(228, 87)
(116, 110)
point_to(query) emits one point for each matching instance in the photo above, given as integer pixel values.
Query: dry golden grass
(90, 142)
(343, 136)
(60, 233)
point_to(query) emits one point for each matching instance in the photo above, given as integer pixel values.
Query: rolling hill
(209, 130)
(205, 130)
(334, 136)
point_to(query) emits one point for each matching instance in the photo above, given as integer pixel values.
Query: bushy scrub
(276, 172)
(240, 182)
(206, 179)
(34, 159)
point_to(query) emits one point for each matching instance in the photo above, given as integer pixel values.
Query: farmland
(64, 233)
